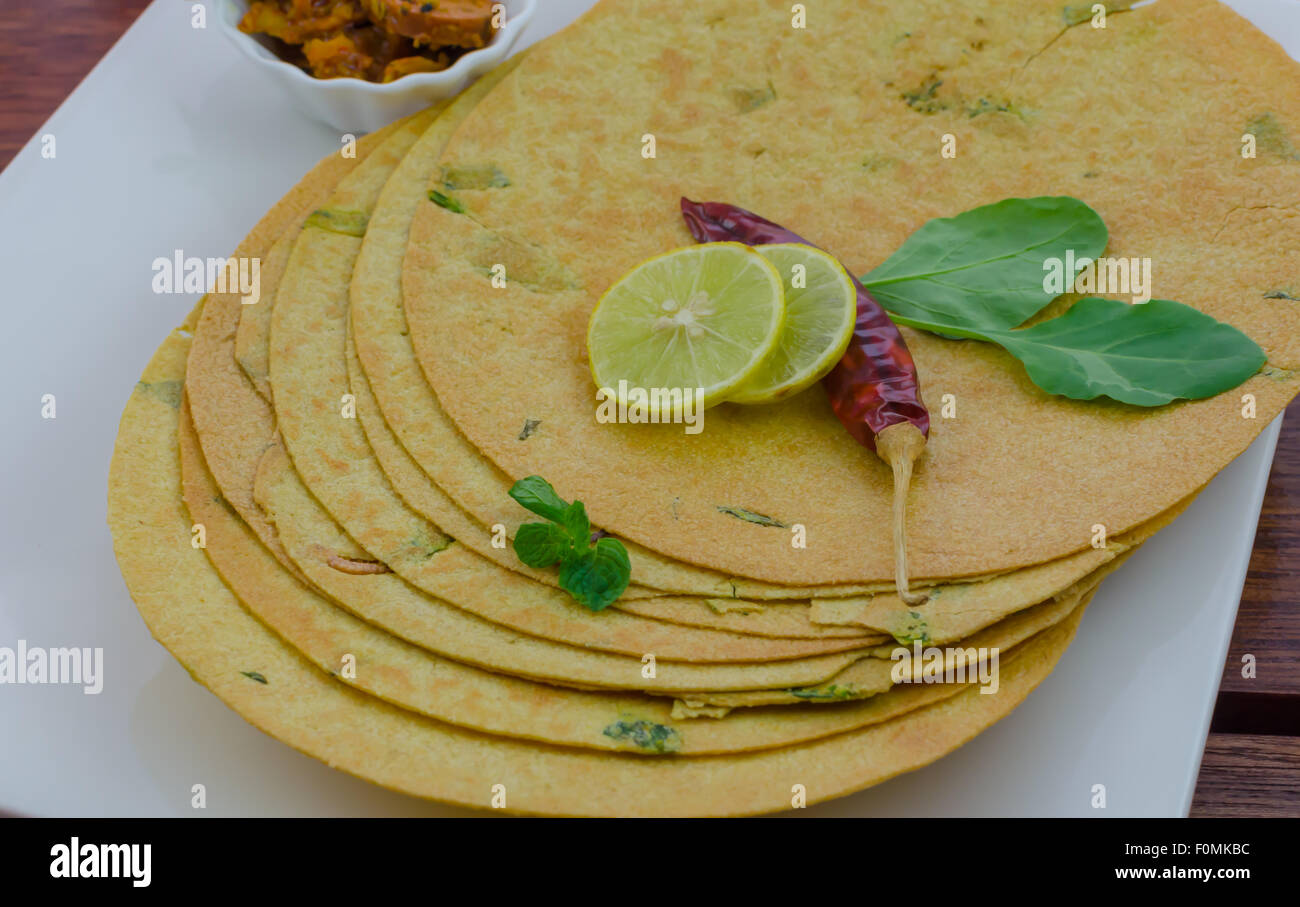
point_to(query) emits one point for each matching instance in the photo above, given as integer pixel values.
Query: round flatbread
(316, 417)
(225, 416)
(492, 702)
(450, 475)
(1019, 477)
(191, 612)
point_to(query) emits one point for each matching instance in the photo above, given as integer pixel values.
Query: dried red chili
(873, 389)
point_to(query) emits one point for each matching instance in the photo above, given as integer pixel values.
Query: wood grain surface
(1252, 762)
(1248, 776)
(48, 47)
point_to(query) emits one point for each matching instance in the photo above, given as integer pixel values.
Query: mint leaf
(1147, 355)
(983, 269)
(536, 494)
(542, 544)
(576, 523)
(597, 577)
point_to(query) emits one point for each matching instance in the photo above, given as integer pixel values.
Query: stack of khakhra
(344, 448)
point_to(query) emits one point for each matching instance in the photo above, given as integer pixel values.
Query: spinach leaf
(1147, 354)
(984, 268)
(597, 577)
(980, 274)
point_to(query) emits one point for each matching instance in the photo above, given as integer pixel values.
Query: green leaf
(1147, 354)
(597, 577)
(542, 544)
(446, 201)
(984, 268)
(749, 516)
(577, 524)
(536, 494)
(480, 176)
(346, 222)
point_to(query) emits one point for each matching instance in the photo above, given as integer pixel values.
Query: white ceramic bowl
(354, 105)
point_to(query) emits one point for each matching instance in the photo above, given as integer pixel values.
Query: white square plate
(175, 142)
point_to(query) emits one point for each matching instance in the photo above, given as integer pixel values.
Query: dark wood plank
(1273, 714)
(1248, 776)
(1268, 621)
(49, 46)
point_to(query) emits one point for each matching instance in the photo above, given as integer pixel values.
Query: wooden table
(1252, 759)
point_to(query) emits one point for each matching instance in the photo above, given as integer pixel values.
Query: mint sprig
(594, 574)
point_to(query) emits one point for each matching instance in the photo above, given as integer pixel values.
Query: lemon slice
(820, 310)
(704, 317)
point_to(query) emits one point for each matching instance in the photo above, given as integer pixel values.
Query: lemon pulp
(820, 311)
(703, 318)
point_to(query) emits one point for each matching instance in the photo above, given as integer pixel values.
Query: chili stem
(899, 445)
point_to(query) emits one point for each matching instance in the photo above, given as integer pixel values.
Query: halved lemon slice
(703, 317)
(820, 310)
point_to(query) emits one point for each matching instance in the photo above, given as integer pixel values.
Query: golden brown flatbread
(1019, 477)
